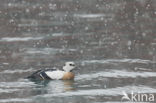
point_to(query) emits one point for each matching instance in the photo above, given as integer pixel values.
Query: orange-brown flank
(68, 76)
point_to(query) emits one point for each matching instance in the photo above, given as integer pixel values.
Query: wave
(120, 61)
(89, 15)
(13, 39)
(16, 71)
(46, 50)
(115, 74)
(105, 92)
(21, 83)
(92, 92)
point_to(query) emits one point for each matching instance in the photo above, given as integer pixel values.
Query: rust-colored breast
(68, 76)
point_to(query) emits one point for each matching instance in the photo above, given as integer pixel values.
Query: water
(113, 43)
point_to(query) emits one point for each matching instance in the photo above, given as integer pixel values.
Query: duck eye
(71, 64)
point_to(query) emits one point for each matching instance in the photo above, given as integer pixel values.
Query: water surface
(112, 42)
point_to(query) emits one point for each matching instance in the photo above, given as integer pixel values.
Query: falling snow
(107, 39)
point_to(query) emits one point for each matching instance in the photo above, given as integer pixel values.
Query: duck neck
(66, 69)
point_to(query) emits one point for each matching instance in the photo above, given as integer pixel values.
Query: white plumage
(58, 74)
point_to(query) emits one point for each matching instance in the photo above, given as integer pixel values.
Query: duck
(66, 73)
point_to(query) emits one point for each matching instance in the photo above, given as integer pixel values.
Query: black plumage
(40, 74)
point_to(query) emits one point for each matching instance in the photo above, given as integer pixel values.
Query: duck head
(69, 66)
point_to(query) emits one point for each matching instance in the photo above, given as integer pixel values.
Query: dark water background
(113, 43)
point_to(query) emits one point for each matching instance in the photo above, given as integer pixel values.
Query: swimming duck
(64, 74)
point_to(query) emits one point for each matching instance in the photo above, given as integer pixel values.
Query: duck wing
(40, 74)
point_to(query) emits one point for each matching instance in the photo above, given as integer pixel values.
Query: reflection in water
(50, 88)
(54, 86)
(60, 86)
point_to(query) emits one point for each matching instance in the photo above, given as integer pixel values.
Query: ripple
(13, 39)
(46, 50)
(107, 92)
(16, 71)
(13, 100)
(118, 91)
(115, 74)
(9, 90)
(60, 34)
(89, 15)
(120, 61)
(18, 84)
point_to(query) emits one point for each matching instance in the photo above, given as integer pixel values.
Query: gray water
(112, 42)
